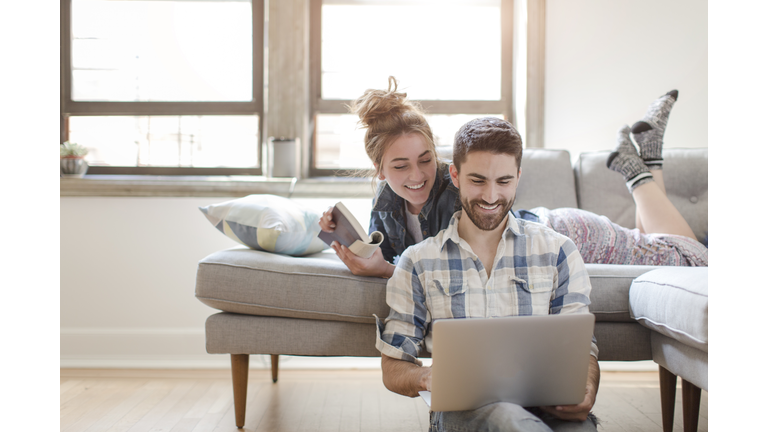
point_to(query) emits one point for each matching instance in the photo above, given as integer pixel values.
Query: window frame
(318, 105)
(100, 108)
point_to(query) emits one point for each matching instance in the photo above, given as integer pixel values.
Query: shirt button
(694, 199)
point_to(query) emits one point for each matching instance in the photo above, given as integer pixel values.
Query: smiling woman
(411, 203)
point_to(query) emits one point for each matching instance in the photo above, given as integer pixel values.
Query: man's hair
(489, 134)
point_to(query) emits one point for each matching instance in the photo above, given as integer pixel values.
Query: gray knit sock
(649, 132)
(625, 161)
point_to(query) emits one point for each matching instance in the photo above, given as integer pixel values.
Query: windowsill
(213, 186)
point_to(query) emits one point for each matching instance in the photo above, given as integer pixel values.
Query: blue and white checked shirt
(536, 271)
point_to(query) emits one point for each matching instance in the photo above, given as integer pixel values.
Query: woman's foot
(625, 161)
(649, 132)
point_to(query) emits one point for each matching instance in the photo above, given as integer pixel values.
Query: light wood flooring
(113, 400)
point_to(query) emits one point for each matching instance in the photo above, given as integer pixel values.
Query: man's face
(487, 185)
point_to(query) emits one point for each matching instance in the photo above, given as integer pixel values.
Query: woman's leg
(654, 212)
(601, 241)
(658, 177)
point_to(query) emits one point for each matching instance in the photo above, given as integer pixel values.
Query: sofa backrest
(603, 191)
(546, 180)
(549, 180)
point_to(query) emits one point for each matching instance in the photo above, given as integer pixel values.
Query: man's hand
(572, 412)
(405, 378)
(376, 265)
(579, 412)
(426, 380)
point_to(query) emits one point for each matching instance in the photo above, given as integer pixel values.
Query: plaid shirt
(536, 271)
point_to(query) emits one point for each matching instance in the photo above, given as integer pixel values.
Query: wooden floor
(95, 400)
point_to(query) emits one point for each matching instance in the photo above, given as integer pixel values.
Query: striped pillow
(268, 223)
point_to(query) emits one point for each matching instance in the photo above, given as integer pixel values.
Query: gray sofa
(314, 306)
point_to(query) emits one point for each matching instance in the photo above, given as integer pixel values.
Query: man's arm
(404, 377)
(574, 284)
(579, 412)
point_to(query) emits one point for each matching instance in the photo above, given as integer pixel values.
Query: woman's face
(409, 167)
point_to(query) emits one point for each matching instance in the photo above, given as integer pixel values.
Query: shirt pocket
(535, 294)
(447, 297)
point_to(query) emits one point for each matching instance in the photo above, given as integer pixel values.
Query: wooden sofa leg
(240, 386)
(691, 403)
(275, 359)
(668, 387)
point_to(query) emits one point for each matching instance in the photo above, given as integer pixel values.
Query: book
(351, 234)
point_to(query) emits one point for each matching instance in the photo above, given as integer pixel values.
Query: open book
(351, 234)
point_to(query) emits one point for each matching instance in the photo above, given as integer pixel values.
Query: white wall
(607, 60)
(128, 268)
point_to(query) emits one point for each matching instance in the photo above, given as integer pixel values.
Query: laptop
(526, 360)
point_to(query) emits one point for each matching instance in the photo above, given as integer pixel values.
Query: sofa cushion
(546, 180)
(317, 286)
(603, 191)
(610, 290)
(673, 301)
(268, 222)
(687, 362)
(320, 286)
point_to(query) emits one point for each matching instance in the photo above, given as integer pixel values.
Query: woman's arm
(375, 266)
(377, 224)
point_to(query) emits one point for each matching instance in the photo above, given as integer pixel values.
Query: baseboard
(121, 348)
(215, 361)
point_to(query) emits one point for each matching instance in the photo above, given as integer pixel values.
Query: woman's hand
(376, 265)
(326, 221)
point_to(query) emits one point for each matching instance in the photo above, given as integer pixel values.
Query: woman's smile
(416, 187)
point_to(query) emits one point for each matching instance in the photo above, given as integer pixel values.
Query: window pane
(340, 140)
(436, 50)
(152, 50)
(169, 141)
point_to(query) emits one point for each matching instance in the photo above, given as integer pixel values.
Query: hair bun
(376, 106)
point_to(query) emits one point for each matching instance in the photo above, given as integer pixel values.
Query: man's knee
(500, 416)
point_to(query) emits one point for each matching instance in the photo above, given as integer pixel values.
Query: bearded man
(486, 264)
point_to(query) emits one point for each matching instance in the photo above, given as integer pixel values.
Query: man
(485, 264)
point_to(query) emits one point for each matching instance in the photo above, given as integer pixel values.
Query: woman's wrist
(388, 270)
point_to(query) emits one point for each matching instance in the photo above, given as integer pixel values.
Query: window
(454, 57)
(163, 86)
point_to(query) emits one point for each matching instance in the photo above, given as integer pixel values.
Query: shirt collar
(452, 231)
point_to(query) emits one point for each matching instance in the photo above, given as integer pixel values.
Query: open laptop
(526, 360)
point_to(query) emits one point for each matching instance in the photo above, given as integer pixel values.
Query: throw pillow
(268, 223)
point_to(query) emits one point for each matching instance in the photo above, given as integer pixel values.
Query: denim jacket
(388, 214)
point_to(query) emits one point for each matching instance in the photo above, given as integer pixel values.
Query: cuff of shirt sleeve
(594, 351)
(391, 351)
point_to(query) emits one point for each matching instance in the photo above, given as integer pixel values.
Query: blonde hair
(388, 115)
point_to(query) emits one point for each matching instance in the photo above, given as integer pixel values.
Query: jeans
(505, 416)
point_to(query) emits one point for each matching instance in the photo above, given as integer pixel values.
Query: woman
(417, 199)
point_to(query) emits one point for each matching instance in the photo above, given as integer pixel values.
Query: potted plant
(73, 162)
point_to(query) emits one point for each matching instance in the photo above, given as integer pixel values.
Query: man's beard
(483, 221)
